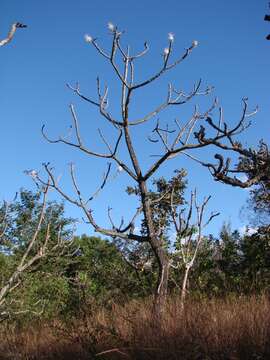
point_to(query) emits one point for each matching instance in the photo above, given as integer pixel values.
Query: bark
(155, 242)
(159, 252)
(162, 283)
(184, 286)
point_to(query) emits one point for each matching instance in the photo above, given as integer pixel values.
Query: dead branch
(83, 204)
(11, 33)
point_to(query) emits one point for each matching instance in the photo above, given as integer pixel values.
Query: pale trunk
(162, 283)
(184, 286)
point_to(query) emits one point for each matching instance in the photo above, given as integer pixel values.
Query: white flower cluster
(171, 36)
(111, 27)
(32, 173)
(88, 38)
(166, 51)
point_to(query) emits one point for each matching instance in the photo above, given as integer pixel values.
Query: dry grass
(208, 329)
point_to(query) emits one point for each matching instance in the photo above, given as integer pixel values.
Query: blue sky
(232, 55)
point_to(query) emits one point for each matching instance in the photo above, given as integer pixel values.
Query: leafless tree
(189, 227)
(11, 33)
(180, 140)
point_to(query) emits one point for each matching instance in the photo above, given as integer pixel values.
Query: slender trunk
(155, 242)
(159, 252)
(184, 286)
(162, 283)
(5, 289)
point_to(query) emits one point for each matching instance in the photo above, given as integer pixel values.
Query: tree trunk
(184, 286)
(8, 286)
(160, 253)
(162, 283)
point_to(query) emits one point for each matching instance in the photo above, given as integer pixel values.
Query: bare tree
(11, 33)
(189, 235)
(175, 139)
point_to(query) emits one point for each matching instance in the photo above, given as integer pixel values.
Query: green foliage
(22, 220)
(259, 201)
(40, 287)
(101, 271)
(105, 272)
(163, 194)
(256, 261)
(45, 293)
(231, 264)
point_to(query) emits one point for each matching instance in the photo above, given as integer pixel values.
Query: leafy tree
(259, 200)
(23, 217)
(36, 233)
(229, 261)
(102, 272)
(255, 264)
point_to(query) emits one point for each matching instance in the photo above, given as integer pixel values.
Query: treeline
(100, 271)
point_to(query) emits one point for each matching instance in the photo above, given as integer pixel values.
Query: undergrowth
(232, 328)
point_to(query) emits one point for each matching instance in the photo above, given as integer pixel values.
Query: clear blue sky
(232, 55)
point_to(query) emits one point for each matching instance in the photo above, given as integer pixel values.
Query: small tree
(32, 230)
(189, 235)
(255, 261)
(180, 140)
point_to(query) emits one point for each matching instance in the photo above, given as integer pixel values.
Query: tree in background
(33, 231)
(229, 262)
(104, 274)
(255, 264)
(259, 201)
(175, 138)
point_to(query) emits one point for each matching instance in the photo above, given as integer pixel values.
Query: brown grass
(208, 329)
